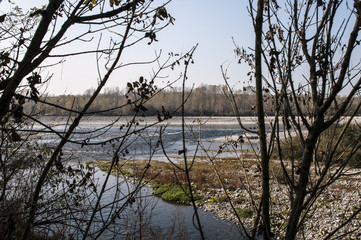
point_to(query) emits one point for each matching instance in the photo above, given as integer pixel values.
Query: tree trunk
(261, 122)
(307, 156)
(25, 65)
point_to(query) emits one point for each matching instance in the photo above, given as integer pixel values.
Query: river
(141, 145)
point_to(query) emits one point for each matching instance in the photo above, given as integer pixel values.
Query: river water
(96, 142)
(91, 133)
(167, 220)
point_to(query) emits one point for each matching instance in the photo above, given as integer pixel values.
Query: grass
(175, 193)
(160, 175)
(277, 172)
(244, 212)
(202, 173)
(163, 175)
(218, 199)
(203, 177)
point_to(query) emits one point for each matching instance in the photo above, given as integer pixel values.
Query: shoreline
(328, 212)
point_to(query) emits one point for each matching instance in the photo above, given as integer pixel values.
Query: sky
(210, 23)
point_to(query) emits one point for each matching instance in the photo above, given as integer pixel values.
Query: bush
(291, 149)
(344, 150)
(277, 172)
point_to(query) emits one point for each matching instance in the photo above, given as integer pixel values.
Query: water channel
(143, 144)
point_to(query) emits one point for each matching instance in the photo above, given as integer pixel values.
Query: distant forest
(206, 100)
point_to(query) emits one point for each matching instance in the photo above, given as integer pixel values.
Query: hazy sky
(211, 23)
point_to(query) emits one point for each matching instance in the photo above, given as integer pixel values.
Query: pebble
(326, 214)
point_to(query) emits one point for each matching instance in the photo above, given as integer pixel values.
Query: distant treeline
(205, 100)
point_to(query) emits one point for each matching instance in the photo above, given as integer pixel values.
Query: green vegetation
(218, 199)
(245, 213)
(175, 193)
(326, 203)
(164, 185)
(105, 165)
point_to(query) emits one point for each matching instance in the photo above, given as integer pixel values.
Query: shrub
(344, 150)
(277, 172)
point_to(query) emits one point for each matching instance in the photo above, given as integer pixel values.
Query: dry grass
(235, 173)
(202, 173)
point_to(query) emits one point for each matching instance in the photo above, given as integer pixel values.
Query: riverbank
(332, 208)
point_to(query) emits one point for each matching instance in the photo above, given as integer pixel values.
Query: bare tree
(311, 62)
(258, 27)
(50, 192)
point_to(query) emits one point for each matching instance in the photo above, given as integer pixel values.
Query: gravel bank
(332, 208)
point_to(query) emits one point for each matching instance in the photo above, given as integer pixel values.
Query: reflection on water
(144, 143)
(140, 145)
(165, 218)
